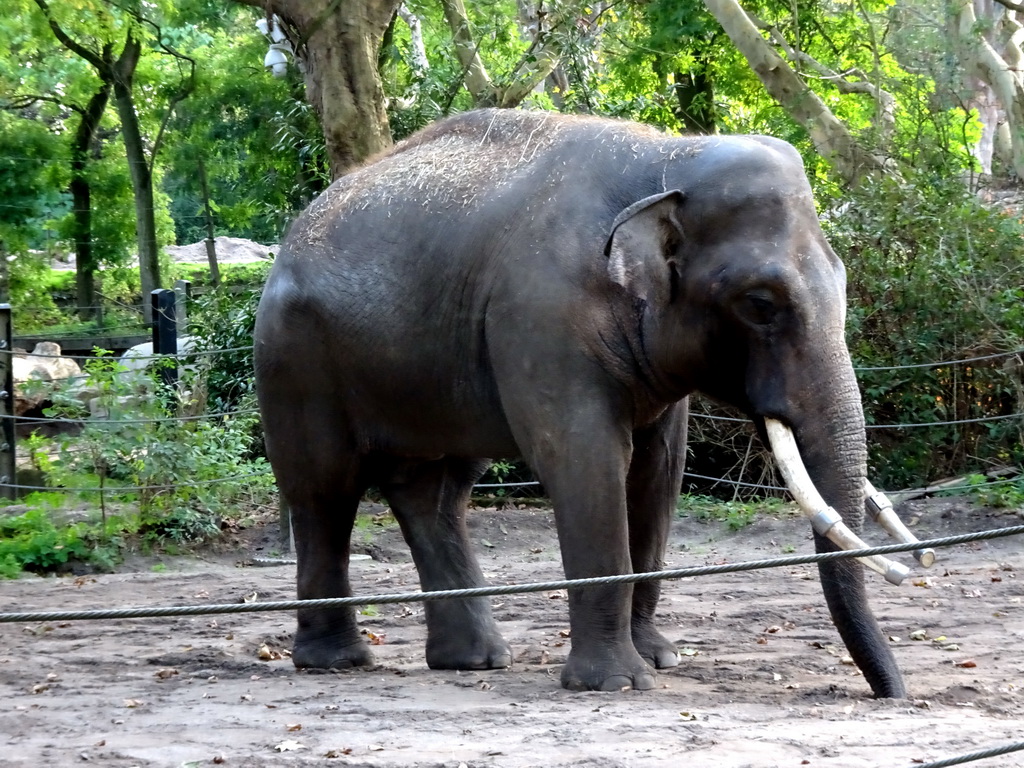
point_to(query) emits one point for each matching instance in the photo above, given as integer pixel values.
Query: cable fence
(112, 487)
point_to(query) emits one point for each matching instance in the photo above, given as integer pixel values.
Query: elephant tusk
(880, 509)
(825, 520)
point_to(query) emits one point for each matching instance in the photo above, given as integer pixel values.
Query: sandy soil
(763, 682)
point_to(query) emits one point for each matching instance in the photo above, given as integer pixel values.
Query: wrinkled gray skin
(527, 284)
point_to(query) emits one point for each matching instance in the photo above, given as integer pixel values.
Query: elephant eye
(758, 307)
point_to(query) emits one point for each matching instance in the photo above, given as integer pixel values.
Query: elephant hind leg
(327, 638)
(322, 480)
(429, 500)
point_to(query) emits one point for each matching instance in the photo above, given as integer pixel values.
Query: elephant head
(744, 300)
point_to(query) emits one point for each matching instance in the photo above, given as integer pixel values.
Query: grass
(736, 515)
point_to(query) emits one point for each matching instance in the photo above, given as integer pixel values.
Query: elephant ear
(642, 238)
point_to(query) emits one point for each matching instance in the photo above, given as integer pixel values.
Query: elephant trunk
(832, 445)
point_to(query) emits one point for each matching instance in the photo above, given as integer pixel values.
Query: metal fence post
(165, 333)
(8, 474)
(182, 296)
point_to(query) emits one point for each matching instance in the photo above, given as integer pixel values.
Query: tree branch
(91, 56)
(885, 100)
(830, 137)
(477, 81)
(1009, 4)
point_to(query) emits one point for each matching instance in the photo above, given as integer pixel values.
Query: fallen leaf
(376, 638)
(246, 697)
(266, 653)
(486, 543)
(966, 663)
(289, 746)
(201, 593)
(919, 634)
(773, 629)
(165, 673)
(338, 752)
(564, 633)
(294, 727)
(251, 597)
(688, 715)
(762, 640)
(847, 660)
(925, 582)
(949, 647)
(688, 652)
(132, 703)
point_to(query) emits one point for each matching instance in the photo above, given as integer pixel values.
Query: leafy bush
(934, 276)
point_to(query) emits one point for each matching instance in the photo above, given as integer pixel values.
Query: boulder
(39, 373)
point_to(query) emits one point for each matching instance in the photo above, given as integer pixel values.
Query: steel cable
(509, 589)
(972, 756)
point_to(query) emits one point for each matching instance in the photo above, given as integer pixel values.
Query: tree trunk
(142, 178)
(339, 43)
(829, 136)
(211, 247)
(86, 262)
(1000, 71)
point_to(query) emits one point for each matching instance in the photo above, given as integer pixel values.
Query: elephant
(510, 283)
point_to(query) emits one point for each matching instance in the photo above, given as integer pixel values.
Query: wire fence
(693, 572)
(121, 421)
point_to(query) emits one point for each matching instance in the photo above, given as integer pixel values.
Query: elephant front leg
(655, 477)
(587, 483)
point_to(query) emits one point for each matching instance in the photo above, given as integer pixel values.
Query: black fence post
(165, 333)
(8, 474)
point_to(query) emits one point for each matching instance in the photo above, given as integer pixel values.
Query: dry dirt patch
(762, 681)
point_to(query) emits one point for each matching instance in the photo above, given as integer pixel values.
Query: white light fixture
(276, 61)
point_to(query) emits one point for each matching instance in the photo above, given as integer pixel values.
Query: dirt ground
(762, 681)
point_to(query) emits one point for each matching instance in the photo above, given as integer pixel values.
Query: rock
(38, 374)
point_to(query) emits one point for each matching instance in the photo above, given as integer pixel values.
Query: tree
(987, 35)
(830, 137)
(113, 46)
(338, 47)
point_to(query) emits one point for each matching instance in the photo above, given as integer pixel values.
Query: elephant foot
(330, 652)
(607, 672)
(458, 650)
(654, 648)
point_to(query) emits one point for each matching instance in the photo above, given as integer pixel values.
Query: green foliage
(180, 477)
(32, 541)
(252, 275)
(915, 250)
(224, 320)
(257, 138)
(735, 515)
(1001, 494)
